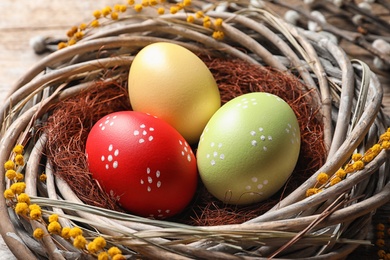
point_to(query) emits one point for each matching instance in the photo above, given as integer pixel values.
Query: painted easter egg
(249, 148)
(171, 82)
(143, 162)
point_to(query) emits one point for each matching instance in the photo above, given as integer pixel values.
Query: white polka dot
(109, 158)
(149, 189)
(212, 162)
(136, 132)
(107, 166)
(188, 158)
(182, 153)
(158, 174)
(142, 126)
(245, 106)
(142, 181)
(167, 211)
(150, 138)
(150, 180)
(115, 164)
(270, 138)
(114, 117)
(103, 158)
(110, 147)
(289, 125)
(265, 148)
(261, 129)
(221, 156)
(107, 121)
(254, 142)
(148, 170)
(144, 132)
(212, 144)
(253, 133)
(112, 123)
(207, 155)
(254, 179)
(151, 129)
(287, 130)
(262, 138)
(158, 184)
(215, 154)
(219, 145)
(116, 153)
(100, 124)
(254, 103)
(103, 127)
(141, 141)
(260, 186)
(180, 142)
(265, 182)
(248, 187)
(186, 149)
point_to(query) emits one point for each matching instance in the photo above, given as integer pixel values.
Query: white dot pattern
(108, 122)
(259, 138)
(149, 179)
(186, 150)
(110, 160)
(246, 102)
(216, 155)
(144, 134)
(255, 187)
(160, 213)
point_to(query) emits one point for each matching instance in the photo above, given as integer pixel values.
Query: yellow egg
(172, 83)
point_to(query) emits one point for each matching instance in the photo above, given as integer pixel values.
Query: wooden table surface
(23, 20)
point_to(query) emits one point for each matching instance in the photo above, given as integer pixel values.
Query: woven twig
(316, 227)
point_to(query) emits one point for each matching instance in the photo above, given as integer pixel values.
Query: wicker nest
(327, 225)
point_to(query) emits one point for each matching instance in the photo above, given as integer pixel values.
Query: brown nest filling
(68, 127)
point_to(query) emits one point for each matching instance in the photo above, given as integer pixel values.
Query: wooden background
(22, 20)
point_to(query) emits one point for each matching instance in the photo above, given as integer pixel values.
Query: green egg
(249, 148)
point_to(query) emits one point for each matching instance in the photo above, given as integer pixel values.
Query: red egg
(143, 162)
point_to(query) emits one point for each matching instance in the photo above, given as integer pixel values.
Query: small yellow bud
(153, 2)
(76, 231)
(62, 45)
(21, 208)
(207, 24)
(97, 14)
(35, 214)
(186, 2)
(199, 14)
(218, 22)
(356, 156)
(322, 178)
(54, 227)
(79, 242)
(358, 165)
(114, 251)
(106, 10)
(161, 10)
(65, 233)
(19, 176)
(119, 257)
(79, 35)
(83, 26)
(123, 8)
(71, 42)
(92, 248)
(190, 19)
(53, 217)
(145, 3)
(114, 16)
(34, 207)
(19, 159)
(18, 187)
(42, 177)
(130, 2)
(100, 242)
(335, 180)
(312, 191)
(341, 173)
(9, 194)
(18, 149)
(9, 165)
(103, 256)
(138, 8)
(38, 233)
(10, 174)
(23, 197)
(95, 23)
(173, 9)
